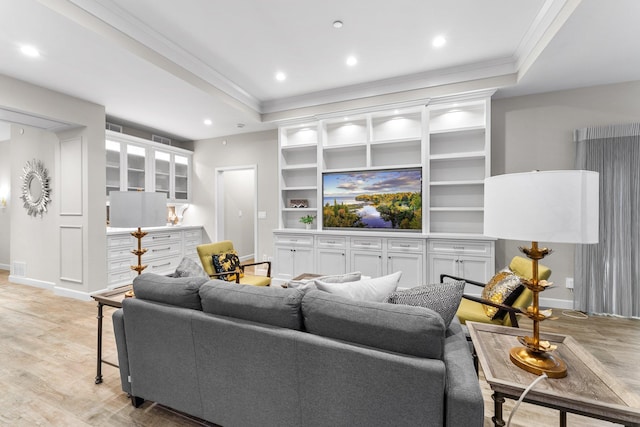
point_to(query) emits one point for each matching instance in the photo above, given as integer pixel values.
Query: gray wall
(258, 148)
(535, 132)
(5, 214)
(239, 196)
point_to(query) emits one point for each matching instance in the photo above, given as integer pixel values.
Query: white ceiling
(169, 65)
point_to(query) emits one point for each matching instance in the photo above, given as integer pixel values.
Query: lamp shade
(549, 206)
(133, 209)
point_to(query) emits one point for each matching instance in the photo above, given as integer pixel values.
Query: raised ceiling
(168, 65)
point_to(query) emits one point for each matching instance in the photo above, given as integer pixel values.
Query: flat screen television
(389, 199)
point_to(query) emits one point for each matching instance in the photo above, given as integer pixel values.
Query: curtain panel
(608, 273)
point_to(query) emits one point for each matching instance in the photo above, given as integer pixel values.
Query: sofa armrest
(121, 344)
(463, 398)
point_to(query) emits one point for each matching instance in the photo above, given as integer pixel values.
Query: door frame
(219, 201)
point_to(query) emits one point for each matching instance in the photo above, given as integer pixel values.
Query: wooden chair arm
(471, 282)
(217, 276)
(258, 263)
(512, 311)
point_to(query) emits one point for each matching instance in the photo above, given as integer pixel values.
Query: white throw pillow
(309, 284)
(375, 289)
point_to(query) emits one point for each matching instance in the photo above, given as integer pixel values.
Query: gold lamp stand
(139, 234)
(535, 356)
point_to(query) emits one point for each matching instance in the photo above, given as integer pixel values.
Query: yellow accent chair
(208, 250)
(471, 307)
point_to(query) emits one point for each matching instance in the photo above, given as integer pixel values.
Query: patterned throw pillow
(443, 298)
(189, 268)
(227, 262)
(503, 288)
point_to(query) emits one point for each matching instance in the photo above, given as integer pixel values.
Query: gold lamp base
(538, 363)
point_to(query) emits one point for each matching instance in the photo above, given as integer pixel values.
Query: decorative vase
(307, 226)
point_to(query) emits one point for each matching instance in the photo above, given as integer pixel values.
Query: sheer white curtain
(608, 273)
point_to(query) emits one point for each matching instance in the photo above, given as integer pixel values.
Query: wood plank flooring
(48, 365)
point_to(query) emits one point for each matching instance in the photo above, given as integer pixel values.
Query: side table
(110, 298)
(588, 389)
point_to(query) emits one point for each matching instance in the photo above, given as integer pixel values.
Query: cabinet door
(283, 263)
(302, 261)
(475, 268)
(410, 264)
(442, 264)
(369, 263)
(331, 261)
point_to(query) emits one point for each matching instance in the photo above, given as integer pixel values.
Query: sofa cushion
(179, 291)
(443, 298)
(189, 268)
(405, 329)
(308, 284)
(373, 289)
(269, 305)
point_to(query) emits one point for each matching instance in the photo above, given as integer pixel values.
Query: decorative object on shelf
(563, 209)
(36, 193)
(307, 220)
(137, 209)
(3, 197)
(172, 218)
(298, 203)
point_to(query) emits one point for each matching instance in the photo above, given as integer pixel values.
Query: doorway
(237, 208)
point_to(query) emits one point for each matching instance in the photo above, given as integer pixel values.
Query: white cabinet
(366, 256)
(468, 259)
(406, 255)
(166, 246)
(294, 255)
(331, 254)
(137, 164)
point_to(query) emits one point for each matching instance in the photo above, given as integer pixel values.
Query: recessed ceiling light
(208, 122)
(280, 76)
(30, 51)
(439, 41)
(351, 61)
(337, 24)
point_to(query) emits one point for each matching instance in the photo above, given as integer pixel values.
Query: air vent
(161, 139)
(115, 128)
(19, 269)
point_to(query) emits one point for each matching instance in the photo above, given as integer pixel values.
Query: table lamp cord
(524, 393)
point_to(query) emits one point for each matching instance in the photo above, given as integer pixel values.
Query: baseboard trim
(31, 282)
(566, 304)
(71, 293)
(5, 267)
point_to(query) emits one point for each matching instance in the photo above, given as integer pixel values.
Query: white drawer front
(294, 240)
(123, 264)
(115, 253)
(331, 242)
(162, 265)
(366, 243)
(164, 250)
(461, 247)
(193, 234)
(119, 241)
(404, 245)
(158, 238)
(125, 276)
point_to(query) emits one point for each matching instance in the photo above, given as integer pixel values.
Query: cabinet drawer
(122, 264)
(466, 247)
(163, 250)
(119, 241)
(366, 243)
(159, 238)
(162, 265)
(331, 242)
(193, 234)
(294, 240)
(125, 276)
(123, 252)
(404, 245)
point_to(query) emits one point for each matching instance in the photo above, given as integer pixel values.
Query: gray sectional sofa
(246, 356)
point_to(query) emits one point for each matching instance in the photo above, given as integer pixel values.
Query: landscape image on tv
(383, 199)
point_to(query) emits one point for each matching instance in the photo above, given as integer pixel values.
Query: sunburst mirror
(35, 188)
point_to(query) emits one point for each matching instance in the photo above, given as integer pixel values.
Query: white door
(331, 261)
(442, 264)
(411, 266)
(369, 263)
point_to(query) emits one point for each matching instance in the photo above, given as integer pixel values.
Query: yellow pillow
(503, 288)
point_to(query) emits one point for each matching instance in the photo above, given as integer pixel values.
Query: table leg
(498, 400)
(99, 364)
(563, 419)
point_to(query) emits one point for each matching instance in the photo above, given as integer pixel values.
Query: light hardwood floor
(48, 365)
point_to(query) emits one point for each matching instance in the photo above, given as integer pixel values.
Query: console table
(588, 388)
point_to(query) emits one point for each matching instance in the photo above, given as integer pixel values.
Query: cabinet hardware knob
(161, 265)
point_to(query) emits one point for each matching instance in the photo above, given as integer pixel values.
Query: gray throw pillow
(189, 268)
(443, 298)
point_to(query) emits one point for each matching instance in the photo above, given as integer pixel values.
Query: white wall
(32, 240)
(258, 148)
(5, 213)
(536, 132)
(239, 196)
